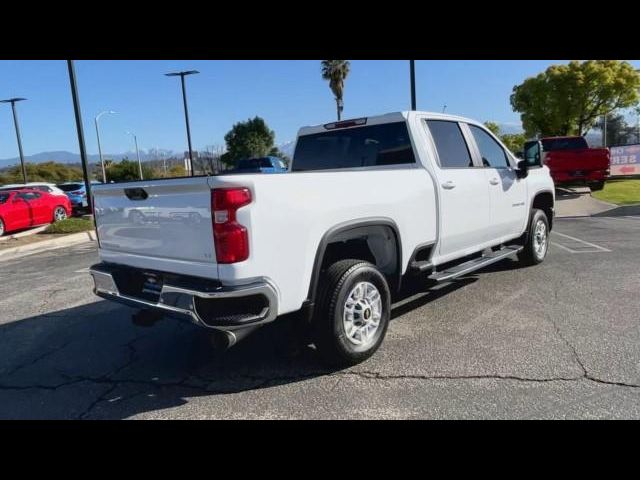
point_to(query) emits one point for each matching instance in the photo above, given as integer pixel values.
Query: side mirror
(523, 169)
(533, 153)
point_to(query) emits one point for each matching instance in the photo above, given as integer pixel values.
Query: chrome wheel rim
(60, 214)
(540, 239)
(1, 228)
(362, 314)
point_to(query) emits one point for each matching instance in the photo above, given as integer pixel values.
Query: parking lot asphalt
(558, 340)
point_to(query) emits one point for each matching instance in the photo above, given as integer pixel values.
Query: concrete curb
(26, 233)
(45, 245)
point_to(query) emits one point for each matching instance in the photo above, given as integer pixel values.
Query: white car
(42, 186)
(366, 204)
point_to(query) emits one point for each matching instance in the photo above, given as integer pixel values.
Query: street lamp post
(135, 139)
(13, 101)
(412, 72)
(78, 114)
(186, 110)
(104, 172)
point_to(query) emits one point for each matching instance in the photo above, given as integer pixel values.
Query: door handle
(449, 185)
(494, 181)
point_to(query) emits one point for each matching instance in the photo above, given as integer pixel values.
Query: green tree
(513, 141)
(493, 127)
(336, 72)
(127, 170)
(252, 138)
(568, 99)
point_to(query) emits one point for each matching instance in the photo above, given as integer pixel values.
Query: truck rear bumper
(206, 303)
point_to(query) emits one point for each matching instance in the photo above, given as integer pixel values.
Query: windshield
(4, 197)
(574, 143)
(70, 187)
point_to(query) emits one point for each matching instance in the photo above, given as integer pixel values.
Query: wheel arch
(372, 239)
(543, 200)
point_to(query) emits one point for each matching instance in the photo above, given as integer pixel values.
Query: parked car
(372, 202)
(40, 186)
(572, 162)
(260, 165)
(28, 208)
(77, 193)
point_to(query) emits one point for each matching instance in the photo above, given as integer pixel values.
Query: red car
(572, 162)
(27, 208)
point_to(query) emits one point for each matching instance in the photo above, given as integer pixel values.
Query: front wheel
(596, 186)
(535, 250)
(59, 214)
(353, 313)
(1, 227)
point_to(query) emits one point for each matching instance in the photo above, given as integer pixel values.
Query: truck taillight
(231, 239)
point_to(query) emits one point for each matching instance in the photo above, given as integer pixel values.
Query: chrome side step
(475, 264)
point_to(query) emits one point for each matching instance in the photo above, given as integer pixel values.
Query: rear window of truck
(375, 145)
(554, 144)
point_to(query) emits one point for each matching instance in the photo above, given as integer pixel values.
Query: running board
(475, 264)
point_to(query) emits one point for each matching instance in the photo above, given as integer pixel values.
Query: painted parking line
(576, 245)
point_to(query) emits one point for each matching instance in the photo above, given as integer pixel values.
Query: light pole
(444, 107)
(104, 172)
(13, 101)
(412, 72)
(80, 130)
(135, 139)
(186, 110)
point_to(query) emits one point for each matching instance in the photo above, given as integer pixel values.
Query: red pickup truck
(572, 162)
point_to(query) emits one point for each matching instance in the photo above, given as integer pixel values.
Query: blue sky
(287, 94)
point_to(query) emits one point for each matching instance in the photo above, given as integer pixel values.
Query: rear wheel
(1, 227)
(596, 186)
(59, 214)
(535, 250)
(353, 313)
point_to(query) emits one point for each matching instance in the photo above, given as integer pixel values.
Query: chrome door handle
(494, 181)
(449, 185)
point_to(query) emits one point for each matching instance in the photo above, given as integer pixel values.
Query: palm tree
(336, 71)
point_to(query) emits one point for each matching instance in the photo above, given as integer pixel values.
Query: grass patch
(620, 192)
(70, 225)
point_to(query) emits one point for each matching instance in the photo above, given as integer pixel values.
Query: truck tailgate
(578, 160)
(157, 218)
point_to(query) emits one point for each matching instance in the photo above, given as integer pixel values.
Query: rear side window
(375, 145)
(571, 143)
(493, 155)
(29, 195)
(450, 143)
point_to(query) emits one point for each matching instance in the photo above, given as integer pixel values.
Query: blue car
(77, 193)
(261, 165)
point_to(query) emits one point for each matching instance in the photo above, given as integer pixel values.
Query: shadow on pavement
(90, 361)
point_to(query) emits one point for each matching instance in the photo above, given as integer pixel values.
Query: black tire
(532, 254)
(596, 186)
(328, 327)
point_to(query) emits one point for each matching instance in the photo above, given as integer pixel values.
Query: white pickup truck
(366, 203)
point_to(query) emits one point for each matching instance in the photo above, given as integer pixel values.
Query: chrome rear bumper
(183, 301)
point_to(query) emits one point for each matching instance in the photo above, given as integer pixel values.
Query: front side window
(368, 146)
(493, 155)
(450, 143)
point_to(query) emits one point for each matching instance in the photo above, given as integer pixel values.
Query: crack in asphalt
(203, 384)
(37, 359)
